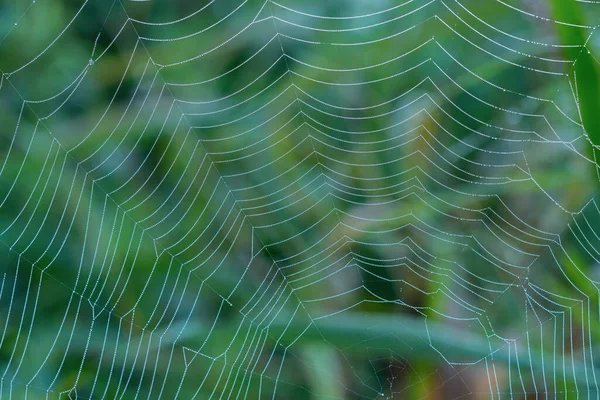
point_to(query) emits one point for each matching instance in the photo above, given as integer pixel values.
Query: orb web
(285, 199)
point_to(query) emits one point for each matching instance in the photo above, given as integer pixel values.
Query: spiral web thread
(196, 204)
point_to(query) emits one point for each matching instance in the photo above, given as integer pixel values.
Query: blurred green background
(391, 199)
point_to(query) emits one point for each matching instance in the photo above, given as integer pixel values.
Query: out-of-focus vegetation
(390, 199)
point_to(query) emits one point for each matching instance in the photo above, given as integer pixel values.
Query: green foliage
(254, 202)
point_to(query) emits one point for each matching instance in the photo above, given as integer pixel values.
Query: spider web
(250, 199)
